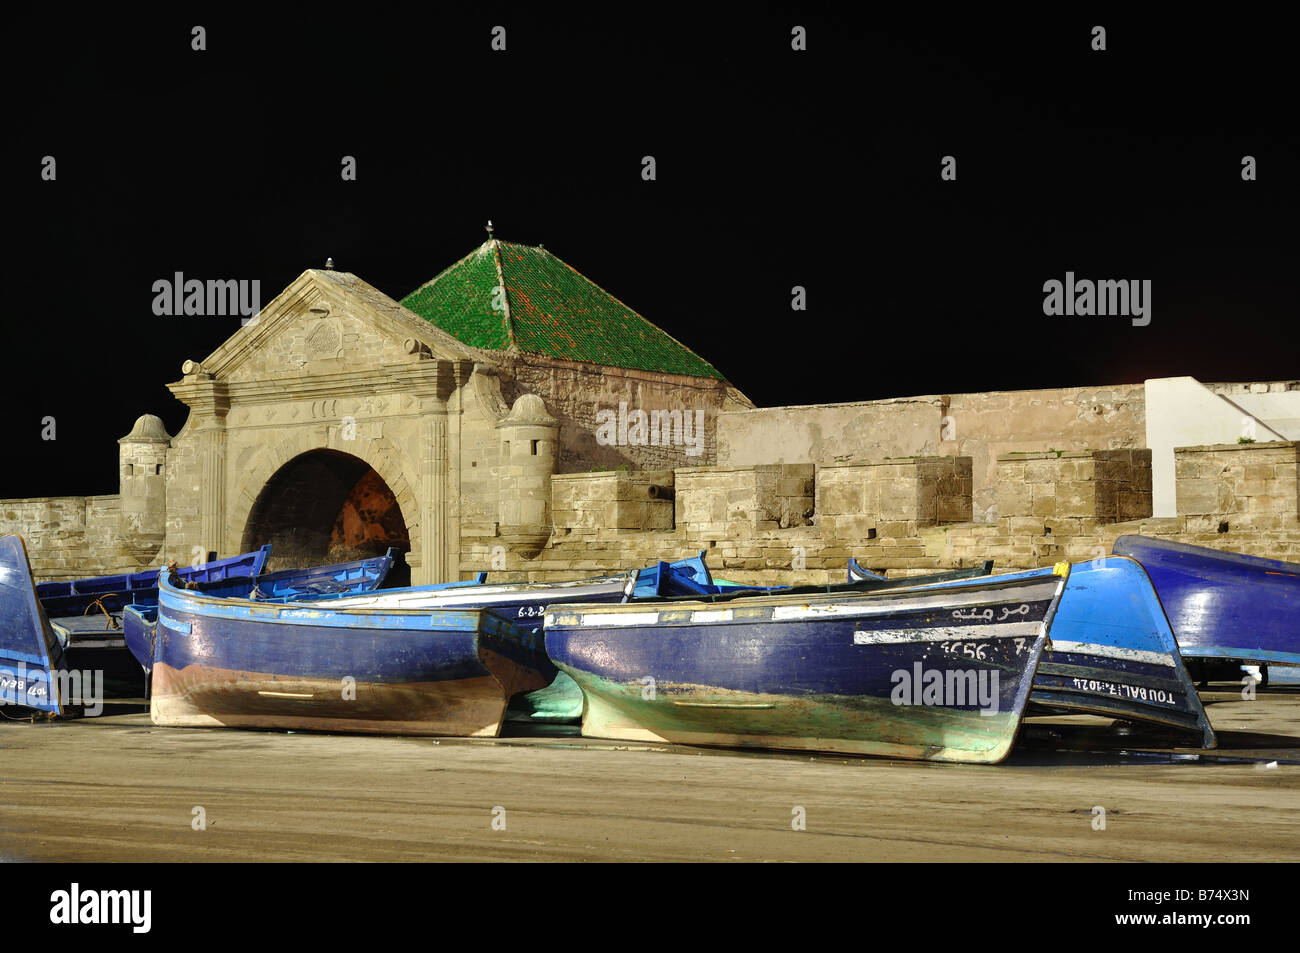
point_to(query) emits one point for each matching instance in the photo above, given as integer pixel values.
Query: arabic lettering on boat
(975, 614)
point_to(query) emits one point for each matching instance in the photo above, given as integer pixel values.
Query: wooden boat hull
(843, 672)
(1113, 653)
(242, 664)
(139, 625)
(1223, 606)
(139, 621)
(31, 657)
(561, 702)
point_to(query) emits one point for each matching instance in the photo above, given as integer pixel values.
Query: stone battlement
(781, 523)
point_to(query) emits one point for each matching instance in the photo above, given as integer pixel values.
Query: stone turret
(527, 438)
(143, 474)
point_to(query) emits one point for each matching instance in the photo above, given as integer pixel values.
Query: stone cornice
(207, 397)
(423, 379)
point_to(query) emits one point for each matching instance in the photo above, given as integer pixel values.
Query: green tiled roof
(547, 309)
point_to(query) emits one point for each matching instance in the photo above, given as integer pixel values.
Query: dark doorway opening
(328, 507)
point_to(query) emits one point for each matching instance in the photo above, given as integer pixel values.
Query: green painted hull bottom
(559, 703)
(703, 715)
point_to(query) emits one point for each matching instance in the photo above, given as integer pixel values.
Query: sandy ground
(116, 788)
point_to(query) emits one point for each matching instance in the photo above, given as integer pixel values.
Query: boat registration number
(976, 650)
(1136, 692)
(531, 611)
(13, 688)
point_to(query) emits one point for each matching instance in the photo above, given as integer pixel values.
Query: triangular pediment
(326, 322)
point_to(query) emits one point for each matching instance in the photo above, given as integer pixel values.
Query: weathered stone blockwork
(1094, 486)
(739, 500)
(69, 537)
(1069, 506)
(576, 395)
(980, 426)
(584, 504)
(1252, 485)
(893, 497)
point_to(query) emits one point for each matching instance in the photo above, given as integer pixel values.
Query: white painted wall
(1183, 412)
(1280, 411)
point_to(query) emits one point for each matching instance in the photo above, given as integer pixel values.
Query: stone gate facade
(340, 422)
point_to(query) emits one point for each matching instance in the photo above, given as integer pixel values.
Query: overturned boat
(1112, 652)
(31, 657)
(1224, 607)
(926, 672)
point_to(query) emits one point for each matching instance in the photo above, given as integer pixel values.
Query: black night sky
(775, 168)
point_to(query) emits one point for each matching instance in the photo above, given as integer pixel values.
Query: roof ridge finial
(490, 229)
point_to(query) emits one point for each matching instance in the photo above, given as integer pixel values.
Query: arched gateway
(330, 427)
(326, 506)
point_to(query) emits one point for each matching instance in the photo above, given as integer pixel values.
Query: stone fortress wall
(777, 523)
(499, 469)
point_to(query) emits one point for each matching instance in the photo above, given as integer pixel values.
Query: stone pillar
(209, 402)
(142, 455)
(528, 450)
(432, 566)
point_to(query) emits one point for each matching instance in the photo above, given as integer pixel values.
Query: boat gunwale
(266, 609)
(774, 599)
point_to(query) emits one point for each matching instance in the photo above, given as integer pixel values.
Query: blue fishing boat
(858, 574)
(1113, 653)
(113, 593)
(139, 621)
(559, 701)
(31, 657)
(86, 614)
(927, 672)
(1223, 607)
(323, 666)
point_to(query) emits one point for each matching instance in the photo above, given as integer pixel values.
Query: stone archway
(251, 471)
(327, 506)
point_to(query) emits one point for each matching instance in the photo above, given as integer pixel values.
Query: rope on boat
(112, 622)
